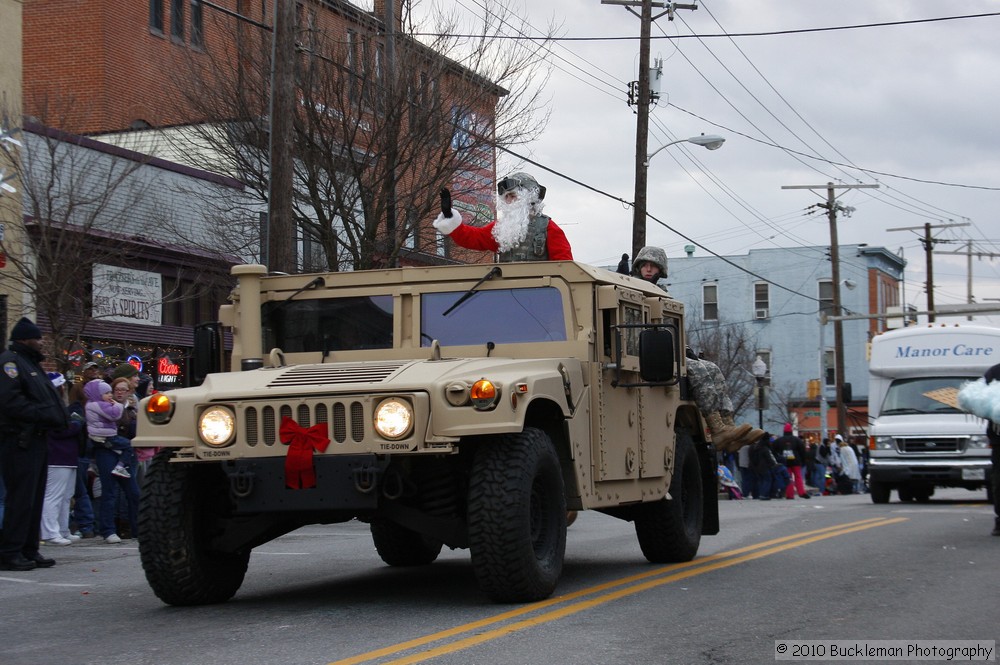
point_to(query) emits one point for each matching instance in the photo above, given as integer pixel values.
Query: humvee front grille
(261, 423)
(308, 375)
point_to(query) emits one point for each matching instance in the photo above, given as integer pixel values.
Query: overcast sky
(911, 107)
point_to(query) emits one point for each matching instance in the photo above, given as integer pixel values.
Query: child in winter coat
(103, 414)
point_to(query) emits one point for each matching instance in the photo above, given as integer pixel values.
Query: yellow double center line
(591, 597)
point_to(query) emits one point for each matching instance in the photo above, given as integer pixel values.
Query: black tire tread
(670, 531)
(505, 558)
(880, 491)
(173, 510)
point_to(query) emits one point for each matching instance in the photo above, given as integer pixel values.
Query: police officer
(29, 407)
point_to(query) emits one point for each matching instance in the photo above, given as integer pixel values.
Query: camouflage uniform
(709, 386)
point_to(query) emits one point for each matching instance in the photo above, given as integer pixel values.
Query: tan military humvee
(469, 406)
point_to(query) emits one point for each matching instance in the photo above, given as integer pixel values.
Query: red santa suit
(481, 238)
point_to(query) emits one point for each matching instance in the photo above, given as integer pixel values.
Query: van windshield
(928, 394)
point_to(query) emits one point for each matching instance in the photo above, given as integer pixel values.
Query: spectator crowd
(786, 467)
(68, 470)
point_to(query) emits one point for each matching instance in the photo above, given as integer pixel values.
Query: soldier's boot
(723, 434)
(751, 432)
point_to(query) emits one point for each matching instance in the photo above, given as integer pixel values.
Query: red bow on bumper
(300, 473)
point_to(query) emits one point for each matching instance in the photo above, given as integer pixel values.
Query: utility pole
(642, 100)
(280, 222)
(970, 299)
(832, 208)
(928, 243)
(392, 116)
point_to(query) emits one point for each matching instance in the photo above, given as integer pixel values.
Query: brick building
(102, 67)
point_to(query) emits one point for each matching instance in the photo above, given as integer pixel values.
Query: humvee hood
(375, 376)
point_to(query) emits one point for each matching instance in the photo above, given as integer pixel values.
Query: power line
(730, 35)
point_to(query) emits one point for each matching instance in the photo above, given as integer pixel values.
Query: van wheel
(517, 517)
(670, 531)
(399, 546)
(179, 513)
(905, 493)
(880, 491)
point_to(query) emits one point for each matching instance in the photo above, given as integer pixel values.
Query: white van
(919, 438)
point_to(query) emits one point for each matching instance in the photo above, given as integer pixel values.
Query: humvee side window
(329, 324)
(633, 315)
(499, 316)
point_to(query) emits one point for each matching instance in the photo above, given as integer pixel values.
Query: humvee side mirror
(206, 357)
(656, 355)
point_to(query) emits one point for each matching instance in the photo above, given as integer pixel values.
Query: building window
(352, 64)
(826, 297)
(710, 298)
(197, 27)
(156, 16)
(761, 300)
(177, 19)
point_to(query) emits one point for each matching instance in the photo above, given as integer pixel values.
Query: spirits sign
(127, 296)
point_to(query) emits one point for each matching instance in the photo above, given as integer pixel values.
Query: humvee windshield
(499, 316)
(329, 324)
(360, 323)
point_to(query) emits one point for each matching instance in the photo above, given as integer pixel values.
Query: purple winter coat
(102, 417)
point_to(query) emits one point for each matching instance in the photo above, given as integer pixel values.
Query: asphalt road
(827, 568)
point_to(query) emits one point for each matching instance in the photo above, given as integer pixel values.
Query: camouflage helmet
(520, 179)
(650, 254)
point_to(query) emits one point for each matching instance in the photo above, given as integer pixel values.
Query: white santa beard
(512, 222)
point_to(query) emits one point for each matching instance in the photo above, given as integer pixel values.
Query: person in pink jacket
(110, 450)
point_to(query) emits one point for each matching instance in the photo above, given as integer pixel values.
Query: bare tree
(85, 207)
(375, 137)
(731, 348)
(786, 398)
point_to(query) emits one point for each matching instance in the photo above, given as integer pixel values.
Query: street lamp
(759, 369)
(710, 141)
(641, 177)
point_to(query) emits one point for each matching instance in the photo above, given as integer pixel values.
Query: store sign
(127, 296)
(168, 371)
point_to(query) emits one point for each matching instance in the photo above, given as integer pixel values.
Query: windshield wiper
(904, 409)
(494, 272)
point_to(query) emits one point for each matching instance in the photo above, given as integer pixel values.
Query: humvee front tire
(670, 531)
(177, 516)
(399, 546)
(517, 517)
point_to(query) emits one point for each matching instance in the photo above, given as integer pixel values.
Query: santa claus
(520, 233)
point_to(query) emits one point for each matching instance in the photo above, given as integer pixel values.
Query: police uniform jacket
(29, 403)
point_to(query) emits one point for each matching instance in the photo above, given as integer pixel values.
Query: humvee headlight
(394, 418)
(217, 425)
(484, 394)
(159, 409)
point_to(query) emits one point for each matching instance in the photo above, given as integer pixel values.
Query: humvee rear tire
(880, 491)
(178, 510)
(670, 531)
(517, 517)
(399, 546)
